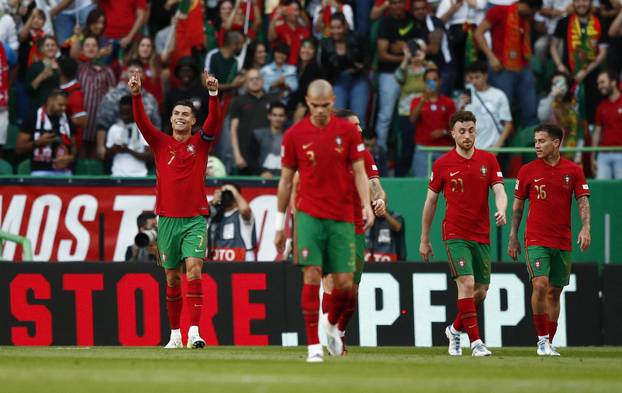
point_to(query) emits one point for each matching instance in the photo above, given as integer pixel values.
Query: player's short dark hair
(276, 104)
(125, 101)
(189, 104)
(613, 76)
(533, 4)
(553, 130)
(344, 113)
(142, 218)
(134, 63)
(432, 70)
(233, 37)
(281, 47)
(461, 116)
(67, 66)
(477, 67)
(57, 92)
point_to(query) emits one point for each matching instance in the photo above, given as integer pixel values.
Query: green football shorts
(325, 243)
(180, 238)
(550, 262)
(469, 258)
(359, 240)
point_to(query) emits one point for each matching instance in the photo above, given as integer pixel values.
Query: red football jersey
(323, 157)
(549, 190)
(372, 173)
(465, 184)
(609, 117)
(180, 166)
(75, 105)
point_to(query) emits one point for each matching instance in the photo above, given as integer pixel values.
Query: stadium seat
(5, 168)
(89, 168)
(24, 168)
(11, 137)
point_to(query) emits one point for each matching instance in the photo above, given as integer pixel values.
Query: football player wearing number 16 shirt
(548, 183)
(464, 176)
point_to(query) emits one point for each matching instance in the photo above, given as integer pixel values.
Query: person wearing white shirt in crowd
(279, 77)
(8, 29)
(126, 146)
(490, 106)
(550, 13)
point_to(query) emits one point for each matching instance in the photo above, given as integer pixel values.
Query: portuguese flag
(189, 32)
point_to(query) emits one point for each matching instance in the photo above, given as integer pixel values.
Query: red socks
(347, 313)
(327, 301)
(310, 304)
(539, 321)
(194, 301)
(468, 315)
(173, 305)
(340, 302)
(552, 328)
(458, 321)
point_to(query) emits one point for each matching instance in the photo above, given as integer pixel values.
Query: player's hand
(279, 241)
(368, 217)
(210, 82)
(500, 219)
(514, 248)
(584, 239)
(134, 85)
(380, 208)
(425, 250)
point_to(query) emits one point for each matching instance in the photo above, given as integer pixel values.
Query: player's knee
(312, 275)
(553, 294)
(540, 287)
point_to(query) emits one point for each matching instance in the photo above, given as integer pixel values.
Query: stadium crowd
(404, 67)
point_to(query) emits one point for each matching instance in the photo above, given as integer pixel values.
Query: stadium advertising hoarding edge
(258, 304)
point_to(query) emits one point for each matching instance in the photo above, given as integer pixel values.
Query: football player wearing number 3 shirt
(464, 176)
(548, 183)
(181, 203)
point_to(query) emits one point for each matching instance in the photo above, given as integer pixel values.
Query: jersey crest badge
(190, 149)
(484, 170)
(339, 143)
(566, 179)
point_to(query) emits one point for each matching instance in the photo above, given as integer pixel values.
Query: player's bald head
(320, 89)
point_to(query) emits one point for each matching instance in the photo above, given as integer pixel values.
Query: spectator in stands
(396, 28)
(346, 61)
(266, 143)
(560, 107)
(143, 50)
(96, 81)
(307, 71)
(432, 30)
(75, 96)
(382, 8)
(608, 121)
(583, 40)
(385, 241)
(290, 26)
(461, 18)
(256, 56)
(95, 27)
(47, 134)
(222, 63)
(410, 77)
(232, 235)
(550, 14)
(615, 30)
(370, 141)
(236, 19)
(125, 146)
(68, 14)
(430, 113)
(30, 39)
(8, 30)
(362, 20)
(248, 113)
(108, 110)
(490, 107)
(215, 167)
(4, 97)
(145, 247)
(43, 76)
(510, 28)
(323, 14)
(190, 88)
(280, 78)
(124, 21)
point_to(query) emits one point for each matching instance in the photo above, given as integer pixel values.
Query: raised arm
(517, 216)
(211, 127)
(147, 129)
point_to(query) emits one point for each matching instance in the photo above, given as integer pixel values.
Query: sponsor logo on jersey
(403, 31)
(452, 174)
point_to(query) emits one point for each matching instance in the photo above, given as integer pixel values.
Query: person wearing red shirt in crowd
(510, 28)
(75, 97)
(124, 20)
(378, 200)
(464, 176)
(548, 183)
(608, 130)
(289, 25)
(181, 203)
(430, 113)
(319, 145)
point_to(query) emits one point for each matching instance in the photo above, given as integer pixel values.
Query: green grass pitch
(276, 369)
